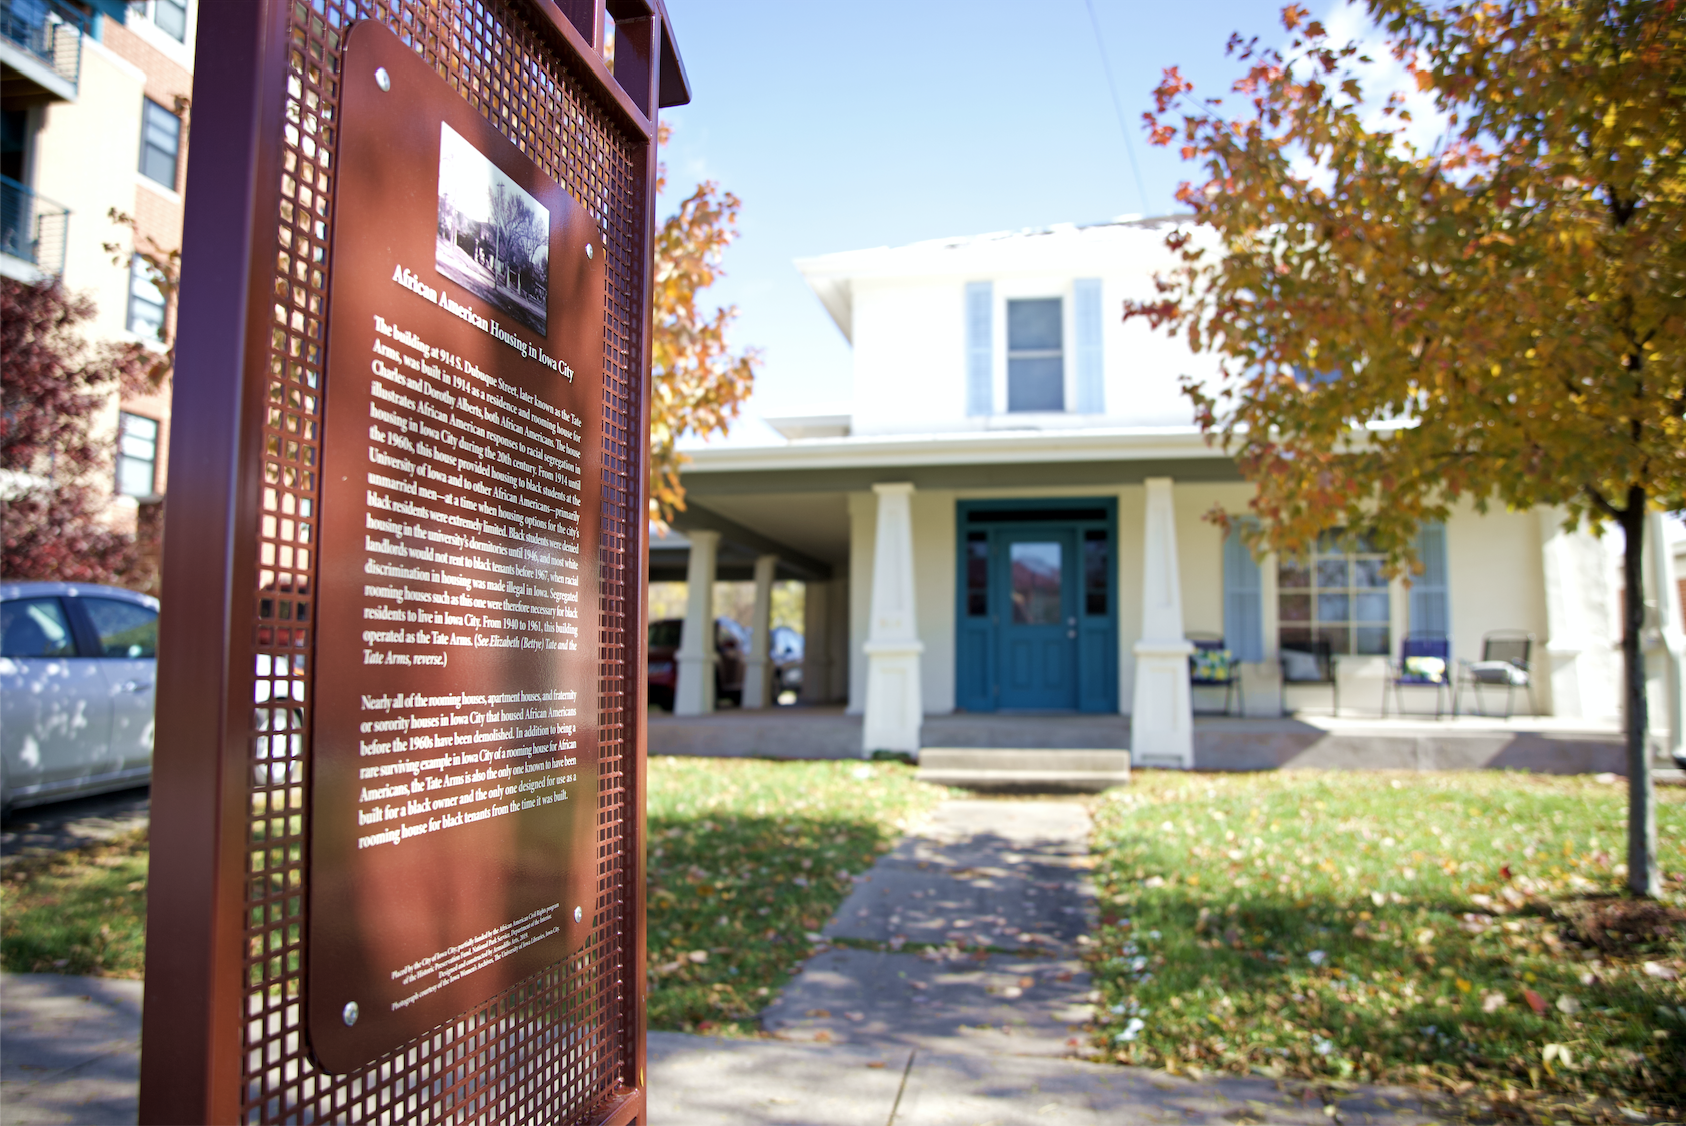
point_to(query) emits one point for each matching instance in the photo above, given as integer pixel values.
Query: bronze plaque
(455, 787)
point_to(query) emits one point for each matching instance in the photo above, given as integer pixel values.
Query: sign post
(397, 866)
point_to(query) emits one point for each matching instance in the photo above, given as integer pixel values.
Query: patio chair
(1309, 662)
(1213, 666)
(1505, 663)
(1425, 661)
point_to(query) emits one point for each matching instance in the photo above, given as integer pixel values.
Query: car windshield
(665, 634)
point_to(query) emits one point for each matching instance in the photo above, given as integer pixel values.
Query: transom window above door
(1035, 355)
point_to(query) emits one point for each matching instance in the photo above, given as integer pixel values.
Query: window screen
(1035, 360)
(160, 143)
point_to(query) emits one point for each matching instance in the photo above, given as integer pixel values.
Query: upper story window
(170, 16)
(1035, 355)
(146, 300)
(160, 143)
(137, 455)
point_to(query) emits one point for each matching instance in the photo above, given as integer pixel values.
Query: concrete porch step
(1018, 769)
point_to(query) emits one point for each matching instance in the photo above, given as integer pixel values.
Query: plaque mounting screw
(384, 81)
(349, 1013)
(588, 250)
(579, 913)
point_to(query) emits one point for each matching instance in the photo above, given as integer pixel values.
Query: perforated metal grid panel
(551, 1048)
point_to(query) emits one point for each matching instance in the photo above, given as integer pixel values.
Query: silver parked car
(78, 678)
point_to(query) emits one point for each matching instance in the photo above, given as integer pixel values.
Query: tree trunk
(1642, 875)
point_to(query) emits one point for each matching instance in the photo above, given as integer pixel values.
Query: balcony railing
(47, 34)
(32, 227)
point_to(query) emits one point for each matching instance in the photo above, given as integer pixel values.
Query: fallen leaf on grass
(1535, 1001)
(1660, 971)
(1493, 1002)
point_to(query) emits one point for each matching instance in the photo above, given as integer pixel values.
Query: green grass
(747, 859)
(1401, 928)
(80, 912)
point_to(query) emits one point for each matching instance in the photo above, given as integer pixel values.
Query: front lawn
(748, 860)
(1461, 930)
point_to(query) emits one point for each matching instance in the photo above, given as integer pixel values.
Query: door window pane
(35, 627)
(1096, 570)
(1036, 583)
(125, 629)
(977, 574)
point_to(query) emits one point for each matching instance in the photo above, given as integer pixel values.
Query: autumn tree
(1498, 317)
(55, 466)
(699, 382)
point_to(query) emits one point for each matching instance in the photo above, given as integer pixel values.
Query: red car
(731, 644)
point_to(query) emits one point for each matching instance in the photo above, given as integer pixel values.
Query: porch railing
(32, 228)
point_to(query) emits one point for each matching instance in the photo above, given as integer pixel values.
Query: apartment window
(137, 455)
(146, 300)
(1339, 596)
(160, 143)
(1035, 359)
(171, 18)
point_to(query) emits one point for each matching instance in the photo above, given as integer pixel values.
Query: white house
(1011, 518)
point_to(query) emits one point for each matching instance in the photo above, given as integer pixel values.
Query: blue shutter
(980, 339)
(1431, 609)
(1091, 387)
(1243, 600)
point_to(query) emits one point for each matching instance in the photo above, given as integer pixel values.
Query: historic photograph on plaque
(455, 790)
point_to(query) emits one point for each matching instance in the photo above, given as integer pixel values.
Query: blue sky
(843, 126)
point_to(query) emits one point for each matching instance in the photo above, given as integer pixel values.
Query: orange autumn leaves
(698, 382)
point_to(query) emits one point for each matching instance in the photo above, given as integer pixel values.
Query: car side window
(126, 629)
(35, 627)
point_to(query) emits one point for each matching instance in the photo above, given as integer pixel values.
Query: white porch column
(1670, 655)
(816, 643)
(1162, 719)
(894, 703)
(1581, 664)
(758, 669)
(694, 694)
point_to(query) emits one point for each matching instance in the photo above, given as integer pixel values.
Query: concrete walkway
(951, 992)
(959, 998)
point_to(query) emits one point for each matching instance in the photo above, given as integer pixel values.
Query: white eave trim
(968, 448)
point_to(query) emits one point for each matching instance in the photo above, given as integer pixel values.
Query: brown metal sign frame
(227, 937)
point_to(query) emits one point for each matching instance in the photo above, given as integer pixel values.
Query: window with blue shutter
(1091, 389)
(1431, 607)
(980, 360)
(1243, 600)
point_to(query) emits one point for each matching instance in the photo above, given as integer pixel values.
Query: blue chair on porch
(1213, 666)
(1425, 661)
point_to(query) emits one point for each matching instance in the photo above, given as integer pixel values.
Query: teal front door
(1036, 619)
(1038, 632)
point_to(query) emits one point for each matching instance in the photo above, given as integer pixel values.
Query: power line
(1117, 105)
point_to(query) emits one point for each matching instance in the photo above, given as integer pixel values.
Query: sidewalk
(952, 993)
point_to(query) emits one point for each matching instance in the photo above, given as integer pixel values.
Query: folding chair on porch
(1504, 663)
(1309, 662)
